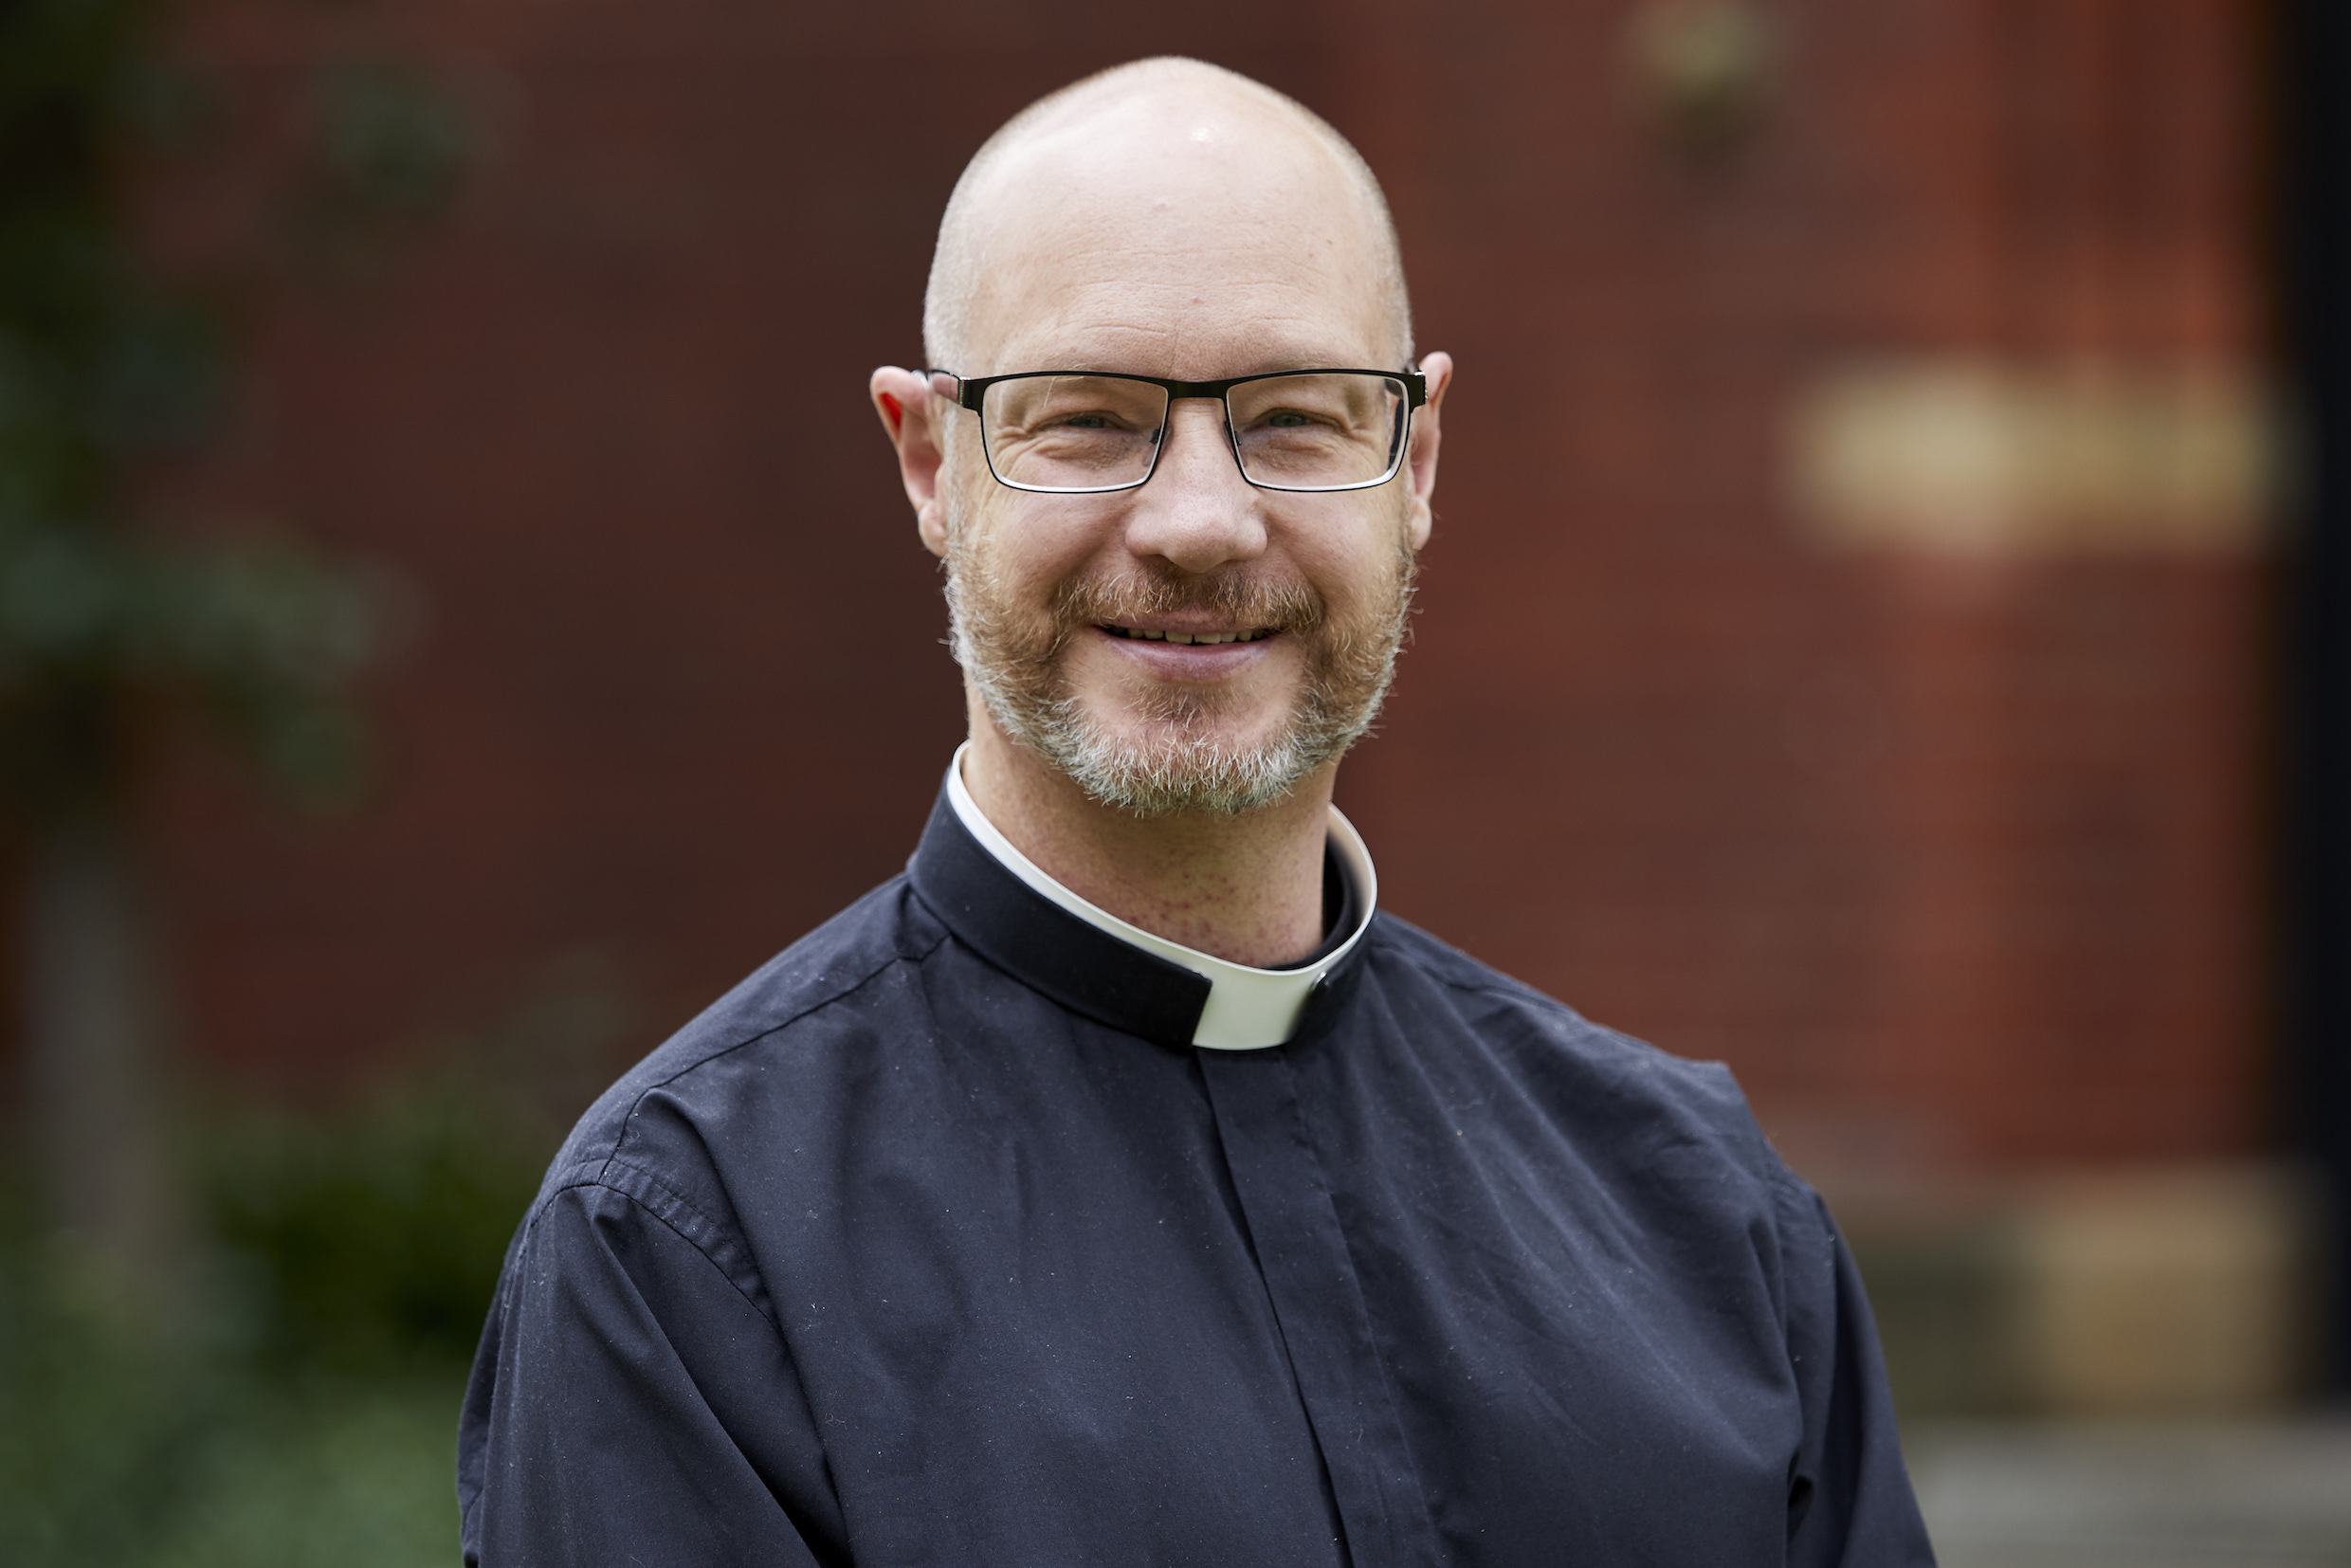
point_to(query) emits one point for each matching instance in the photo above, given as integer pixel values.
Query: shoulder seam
(639, 1204)
(710, 1227)
(847, 988)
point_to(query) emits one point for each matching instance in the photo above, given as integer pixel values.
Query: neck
(1246, 888)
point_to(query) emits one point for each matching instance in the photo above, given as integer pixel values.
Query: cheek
(1352, 559)
(1030, 544)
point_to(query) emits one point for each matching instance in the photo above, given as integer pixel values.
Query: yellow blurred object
(1980, 457)
(2134, 1293)
(2166, 1292)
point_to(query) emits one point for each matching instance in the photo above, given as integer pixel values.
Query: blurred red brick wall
(1951, 857)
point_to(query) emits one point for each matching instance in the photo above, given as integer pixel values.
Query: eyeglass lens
(1319, 431)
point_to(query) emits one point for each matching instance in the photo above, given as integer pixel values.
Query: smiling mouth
(1196, 639)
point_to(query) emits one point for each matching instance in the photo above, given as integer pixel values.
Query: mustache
(1238, 598)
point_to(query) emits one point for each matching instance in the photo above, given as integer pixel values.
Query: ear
(1421, 465)
(911, 408)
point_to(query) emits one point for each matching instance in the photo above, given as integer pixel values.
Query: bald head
(1149, 200)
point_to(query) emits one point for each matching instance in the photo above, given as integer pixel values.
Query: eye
(1288, 419)
(1089, 421)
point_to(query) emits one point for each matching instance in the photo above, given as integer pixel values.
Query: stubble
(1175, 759)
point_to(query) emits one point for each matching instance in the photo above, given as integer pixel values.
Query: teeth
(1199, 639)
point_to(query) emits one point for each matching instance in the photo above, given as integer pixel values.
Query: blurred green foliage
(368, 1245)
(304, 1410)
(388, 151)
(301, 1410)
(299, 1406)
(105, 362)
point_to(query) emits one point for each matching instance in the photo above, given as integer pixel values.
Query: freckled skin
(1184, 230)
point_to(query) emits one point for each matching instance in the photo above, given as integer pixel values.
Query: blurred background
(1882, 631)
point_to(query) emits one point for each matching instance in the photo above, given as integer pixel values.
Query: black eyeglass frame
(971, 391)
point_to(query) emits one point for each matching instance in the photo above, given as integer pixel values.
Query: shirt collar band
(1245, 1008)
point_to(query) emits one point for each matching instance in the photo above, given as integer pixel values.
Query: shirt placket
(1319, 1305)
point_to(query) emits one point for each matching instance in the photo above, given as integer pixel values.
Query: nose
(1197, 511)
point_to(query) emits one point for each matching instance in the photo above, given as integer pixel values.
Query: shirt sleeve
(1849, 1502)
(630, 1402)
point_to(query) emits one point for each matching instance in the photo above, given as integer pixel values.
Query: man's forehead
(1196, 328)
(1169, 222)
(1162, 168)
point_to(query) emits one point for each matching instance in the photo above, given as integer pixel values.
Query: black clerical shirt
(938, 1242)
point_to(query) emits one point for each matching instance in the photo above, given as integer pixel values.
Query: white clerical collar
(1247, 1008)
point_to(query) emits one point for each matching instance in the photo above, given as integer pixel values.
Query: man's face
(1198, 256)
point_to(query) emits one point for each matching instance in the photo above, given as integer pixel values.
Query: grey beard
(1181, 768)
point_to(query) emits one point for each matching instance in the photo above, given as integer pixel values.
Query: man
(1117, 1186)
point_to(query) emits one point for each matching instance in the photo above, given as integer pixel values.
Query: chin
(1182, 719)
(1178, 742)
(1154, 767)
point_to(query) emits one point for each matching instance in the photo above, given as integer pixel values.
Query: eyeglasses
(1085, 433)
